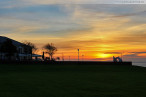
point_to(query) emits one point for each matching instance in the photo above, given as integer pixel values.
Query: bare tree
(33, 47)
(51, 49)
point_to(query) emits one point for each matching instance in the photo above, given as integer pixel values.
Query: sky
(99, 30)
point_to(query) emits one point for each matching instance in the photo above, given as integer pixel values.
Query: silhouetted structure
(117, 59)
(14, 50)
(78, 54)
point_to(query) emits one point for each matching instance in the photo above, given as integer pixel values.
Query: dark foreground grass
(72, 81)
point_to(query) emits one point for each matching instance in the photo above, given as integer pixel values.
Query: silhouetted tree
(8, 48)
(29, 48)
(51, 49)
(31, 45)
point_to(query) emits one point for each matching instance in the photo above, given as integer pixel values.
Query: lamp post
(78, 54)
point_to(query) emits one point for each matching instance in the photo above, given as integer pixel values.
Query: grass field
(72, 81)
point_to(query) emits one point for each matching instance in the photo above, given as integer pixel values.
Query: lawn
(72, 81)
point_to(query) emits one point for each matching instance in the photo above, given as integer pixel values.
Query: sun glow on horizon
(102, 55)
(99, 31)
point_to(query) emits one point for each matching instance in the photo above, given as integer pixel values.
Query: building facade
(23, 52)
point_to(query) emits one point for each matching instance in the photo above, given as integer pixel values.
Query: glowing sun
(102, 55)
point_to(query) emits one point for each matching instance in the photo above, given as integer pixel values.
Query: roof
(36, 55)
(3, 39)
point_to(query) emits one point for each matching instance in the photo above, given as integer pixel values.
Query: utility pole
(78, 54)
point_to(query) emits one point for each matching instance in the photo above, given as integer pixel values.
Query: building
(23, 52)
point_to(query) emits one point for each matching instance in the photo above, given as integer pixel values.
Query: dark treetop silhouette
(50, 49)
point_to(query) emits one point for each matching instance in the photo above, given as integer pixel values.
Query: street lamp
(78, 54)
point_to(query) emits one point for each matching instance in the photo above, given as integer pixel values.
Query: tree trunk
(51, 57)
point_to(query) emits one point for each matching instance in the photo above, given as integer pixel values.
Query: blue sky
(95, 28)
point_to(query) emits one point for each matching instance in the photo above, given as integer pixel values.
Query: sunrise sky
(100, 31)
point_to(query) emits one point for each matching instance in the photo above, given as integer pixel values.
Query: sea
(142, 64)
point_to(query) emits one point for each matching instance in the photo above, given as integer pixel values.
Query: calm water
(143, 64)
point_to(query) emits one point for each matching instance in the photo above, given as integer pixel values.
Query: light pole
(78, 54)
